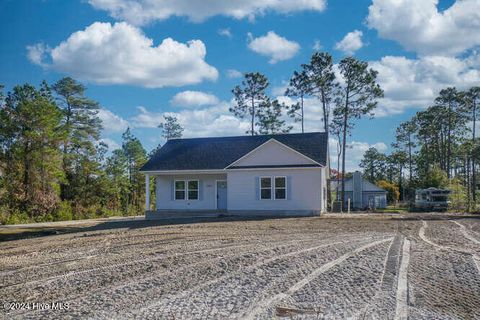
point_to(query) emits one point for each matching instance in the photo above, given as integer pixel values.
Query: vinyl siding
(305, 190)
(207, 201)
(273, 153)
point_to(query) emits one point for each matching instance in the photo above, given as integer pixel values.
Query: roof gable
(218, 153)
(367, 186)
(273, 153)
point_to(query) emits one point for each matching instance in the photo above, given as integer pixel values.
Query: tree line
(53, 165)
(437, 147)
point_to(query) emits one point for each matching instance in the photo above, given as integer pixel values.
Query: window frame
(260, 188)
(275, 188)
(175, 190)
(272, 188)
(188, 189)
(185, 190)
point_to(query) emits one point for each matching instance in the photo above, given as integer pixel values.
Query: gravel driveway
(368, 267)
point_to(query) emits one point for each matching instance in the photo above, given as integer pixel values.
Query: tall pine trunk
(344, 143)
(474, 185)
(301, 101)
(449, 138)
(253, 116)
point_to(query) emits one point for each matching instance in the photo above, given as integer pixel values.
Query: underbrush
(64, 212)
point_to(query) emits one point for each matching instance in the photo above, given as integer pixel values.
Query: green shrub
(64, 212)
(17, 217)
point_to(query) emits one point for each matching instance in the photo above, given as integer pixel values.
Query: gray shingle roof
(218, 153)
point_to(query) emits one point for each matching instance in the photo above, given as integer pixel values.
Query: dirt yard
(366, 267)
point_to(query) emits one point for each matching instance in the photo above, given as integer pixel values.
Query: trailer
(431, 199)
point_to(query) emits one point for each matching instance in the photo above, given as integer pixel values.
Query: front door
(222, 195)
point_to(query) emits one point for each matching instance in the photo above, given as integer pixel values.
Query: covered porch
(184, 192)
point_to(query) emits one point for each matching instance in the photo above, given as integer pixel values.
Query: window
(193, 190)
(280, 188)
(273, 188)
(179, 190)
(186, 189)
(265, 188)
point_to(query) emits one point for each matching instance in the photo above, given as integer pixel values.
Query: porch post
(147, 192)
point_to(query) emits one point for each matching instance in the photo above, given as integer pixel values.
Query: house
(284, 174)
(361, 193)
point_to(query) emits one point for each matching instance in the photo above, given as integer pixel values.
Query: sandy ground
(367, 267)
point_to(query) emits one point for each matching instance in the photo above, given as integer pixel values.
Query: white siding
(324, 172)
(273, 153)
(306, 190)
(164, 200)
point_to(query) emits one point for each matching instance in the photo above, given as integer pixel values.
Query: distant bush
(17, 217)
(393, 194)
(65, 211)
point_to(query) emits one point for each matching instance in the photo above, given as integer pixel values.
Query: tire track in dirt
(249, 268)
(380, 304)
(103, 258)
(182, 268)
(401, 311)
(99, 248)
(463, 230)
(465, 233)
(114, 266)
(266, 303)
(113, 255)
(421, 234)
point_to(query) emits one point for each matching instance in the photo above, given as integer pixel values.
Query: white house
(284, 174)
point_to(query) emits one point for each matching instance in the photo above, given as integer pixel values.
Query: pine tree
(136, 156)
(322, 83)
(171, 128)
(270, 118)
(298, 87)
(250, 97)
(358, 96)
(30, 136)
(83, 126)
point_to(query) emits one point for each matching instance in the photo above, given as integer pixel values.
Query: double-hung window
(180, 190)
(186, 189)
(193, 190)
(273, 188)
(280, 188)
(266, 188)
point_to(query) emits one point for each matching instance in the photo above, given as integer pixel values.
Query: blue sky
(117, 48)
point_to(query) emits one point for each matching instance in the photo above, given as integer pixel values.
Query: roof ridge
(257, 135)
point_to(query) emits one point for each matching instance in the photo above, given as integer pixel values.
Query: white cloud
(225, 32)
(275, 47)
(416, 82)
(354, 153)
(279, 90)
(140, 12)
(122, 54)
(211, 121)
(193, 99)
(37, 52)
(233, 73)
(111, 144)
(112, 122)
(146, 119)
(419, 25)
(350, 43)
(317, 45)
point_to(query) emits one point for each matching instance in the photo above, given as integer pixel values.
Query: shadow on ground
(11, 233)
